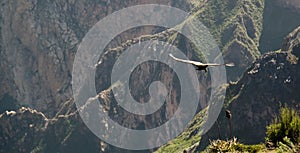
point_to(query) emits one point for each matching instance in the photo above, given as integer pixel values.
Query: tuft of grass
(232, 146)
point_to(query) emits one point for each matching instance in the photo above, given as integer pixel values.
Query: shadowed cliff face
(39, 40)
(27, 130)
(290, 4)
(280, 18)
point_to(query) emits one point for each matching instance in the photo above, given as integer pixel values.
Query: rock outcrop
(27, 130)
(270, 83)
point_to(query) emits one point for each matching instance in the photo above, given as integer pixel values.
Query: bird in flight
(200, 66)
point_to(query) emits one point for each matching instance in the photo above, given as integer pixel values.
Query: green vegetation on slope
(188, 138)
(233, 20)
(236, 25)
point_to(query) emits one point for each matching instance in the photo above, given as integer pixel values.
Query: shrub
(286, 125)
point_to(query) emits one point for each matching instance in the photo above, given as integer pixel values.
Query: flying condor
(200, 66)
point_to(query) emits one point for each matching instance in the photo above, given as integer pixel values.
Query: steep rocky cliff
(38, 43)
(39, 40)
(276, 78)
(271, 82)
(280, 18)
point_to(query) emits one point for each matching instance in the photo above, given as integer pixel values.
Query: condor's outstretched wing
(187, 61)
(196, 63)
(215, 64)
